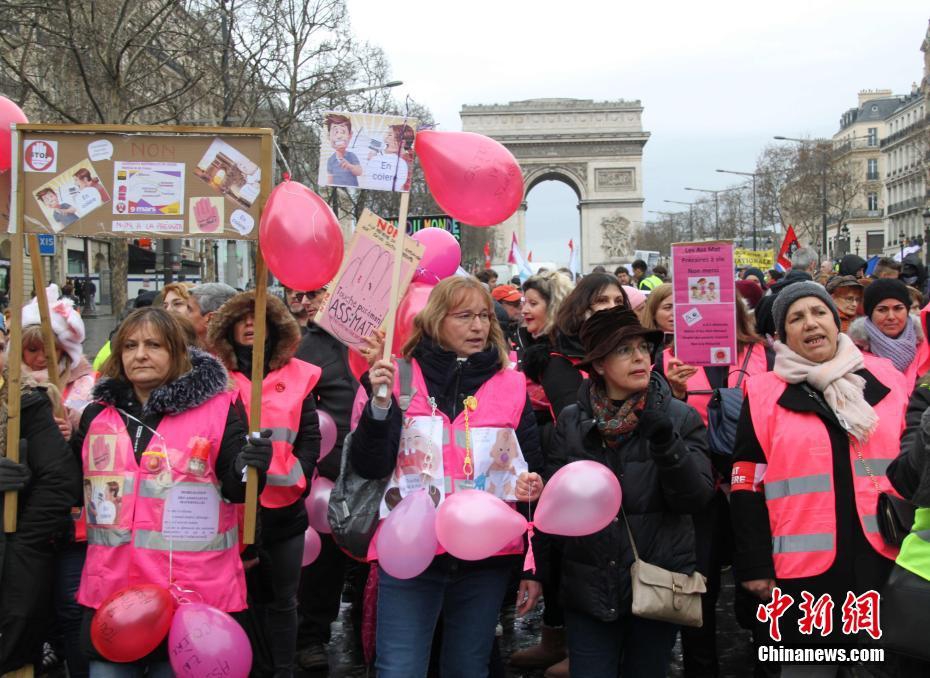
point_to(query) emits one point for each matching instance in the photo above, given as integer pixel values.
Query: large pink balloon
(317, 503)
(473, 178)
(413, 301)
(581, 498)
(312, 547)
(441, 255)
(206, 642)
(473, 524)
(9, 113)
(327, 433)
(407, 538)
(300, 237)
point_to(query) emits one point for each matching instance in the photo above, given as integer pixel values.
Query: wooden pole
(395, 282)
(17, 282)
(48, 336)
(255, 405)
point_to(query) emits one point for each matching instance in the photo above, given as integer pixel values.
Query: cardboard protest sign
(365, 150)
(704, 294)
(358, 301)
(761, 259)
(96, 180)
(443, 221)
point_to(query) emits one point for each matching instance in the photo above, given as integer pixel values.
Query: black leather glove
(656, 427)
(15, 476)
(256, 453)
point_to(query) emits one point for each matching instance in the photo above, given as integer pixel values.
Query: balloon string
(287, 168)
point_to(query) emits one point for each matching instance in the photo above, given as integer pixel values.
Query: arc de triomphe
(596, 148)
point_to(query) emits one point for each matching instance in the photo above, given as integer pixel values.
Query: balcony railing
(861, 213)
(858, 143)
(904, 205)
(901, 133)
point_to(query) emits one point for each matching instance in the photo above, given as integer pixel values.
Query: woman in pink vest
(289, 410)
(162, 416)
(814, 439)
(888, 330)
(469, 425)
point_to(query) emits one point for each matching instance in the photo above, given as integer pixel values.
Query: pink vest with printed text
(126, 502)
(501, 400)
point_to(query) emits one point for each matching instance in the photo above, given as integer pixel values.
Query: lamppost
(901, 238)
(716, 206)
(926, 216)
(671, 225)
(858, 241)
(823, 180)
(690, 214)
(844, 233)
(753, 175)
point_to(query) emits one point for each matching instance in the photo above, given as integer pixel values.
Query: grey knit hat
(791, 294)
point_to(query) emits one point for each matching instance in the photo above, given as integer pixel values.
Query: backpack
(355, 502)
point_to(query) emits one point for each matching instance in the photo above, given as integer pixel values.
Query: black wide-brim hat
(605, 330)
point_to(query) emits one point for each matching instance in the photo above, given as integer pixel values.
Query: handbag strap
(629, 533)
(742, 369)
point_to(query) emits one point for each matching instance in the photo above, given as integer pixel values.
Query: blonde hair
(448, 294)
(179, 288)
(32, 336)
(554, 287)
(653, 301)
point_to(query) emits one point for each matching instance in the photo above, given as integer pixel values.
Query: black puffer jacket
(660, 491)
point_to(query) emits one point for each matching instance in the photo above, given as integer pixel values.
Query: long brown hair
(448, 294)
(576, 306)
(653, 301)
(165, 326)
(745, 327)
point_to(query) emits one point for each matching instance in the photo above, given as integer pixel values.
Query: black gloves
(256, 453)
(656, 427)
(15, 476)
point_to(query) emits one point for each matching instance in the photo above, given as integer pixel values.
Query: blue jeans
(131, 670)
(642, 647)
(468, 596)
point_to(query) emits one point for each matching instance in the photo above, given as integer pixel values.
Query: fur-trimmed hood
(283, 330)
(207, 378)
(860, 336)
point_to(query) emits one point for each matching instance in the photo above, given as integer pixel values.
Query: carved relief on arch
(617, 238)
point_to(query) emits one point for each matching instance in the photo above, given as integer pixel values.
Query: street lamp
(753, 175)
(823, 182)
(716, 206)
(671, 225)
(901, 238)
(927, 237)
(858, 241)
(844, 233)
(690, 213)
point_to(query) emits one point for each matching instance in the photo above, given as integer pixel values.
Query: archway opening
(552, 219)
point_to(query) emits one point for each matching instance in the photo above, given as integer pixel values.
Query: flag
(529, 257)
(516, 258)
(788, 248)
(572, 260)
(487, 255)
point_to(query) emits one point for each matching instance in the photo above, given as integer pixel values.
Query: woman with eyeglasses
(468, 425)
(626, 419)
(846, 291)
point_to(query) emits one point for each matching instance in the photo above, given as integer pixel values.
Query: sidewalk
(97, 329)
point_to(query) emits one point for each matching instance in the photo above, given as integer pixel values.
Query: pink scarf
(836, 380)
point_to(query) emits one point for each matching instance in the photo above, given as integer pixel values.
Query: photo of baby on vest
(419, 463)
(103, 499)
(498, 461)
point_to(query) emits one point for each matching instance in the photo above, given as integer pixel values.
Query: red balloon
(357, 364)
(9, 113)
(132, 622)
(473, 178)
(413, 302)
(300, 237)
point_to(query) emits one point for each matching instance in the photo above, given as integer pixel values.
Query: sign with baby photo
(498, 461)
(365, 150)
(704, 295)
(419, 463)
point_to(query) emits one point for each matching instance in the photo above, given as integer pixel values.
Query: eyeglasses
(465, 317)
(625, 351)
(848, 300)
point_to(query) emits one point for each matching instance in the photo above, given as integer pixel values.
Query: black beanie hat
(884, 288)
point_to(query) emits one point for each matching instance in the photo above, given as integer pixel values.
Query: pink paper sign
(705, 303)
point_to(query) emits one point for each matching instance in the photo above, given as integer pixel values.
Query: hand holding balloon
(529, 487)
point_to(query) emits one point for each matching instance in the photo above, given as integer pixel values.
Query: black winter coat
(27, 555)
(660, 492)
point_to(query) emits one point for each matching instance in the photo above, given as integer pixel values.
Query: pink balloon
(407, 538)
(205, 641)
(9, 113)
(474, 525)
(581, 498)
(327, 433)
(473, 178)
(317, 503)
(413, 301)
(300, 237)
(312, 546)
(441, 255)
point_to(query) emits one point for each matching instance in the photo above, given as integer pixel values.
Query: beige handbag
(664, 595)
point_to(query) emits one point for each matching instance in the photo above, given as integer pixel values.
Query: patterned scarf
(900, 350)
(615, 420)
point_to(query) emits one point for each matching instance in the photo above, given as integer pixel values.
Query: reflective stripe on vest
(108, 536)
(281, 434)
(799, 484)
(152, 539)
(290, 479)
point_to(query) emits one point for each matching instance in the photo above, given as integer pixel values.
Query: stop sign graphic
(40, 156)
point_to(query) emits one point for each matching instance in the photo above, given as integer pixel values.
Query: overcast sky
(717, 79)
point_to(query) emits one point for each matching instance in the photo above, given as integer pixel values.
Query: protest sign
(365, 150)
(761, 259)
(358, 301)
(704, 294)
(443, 221)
